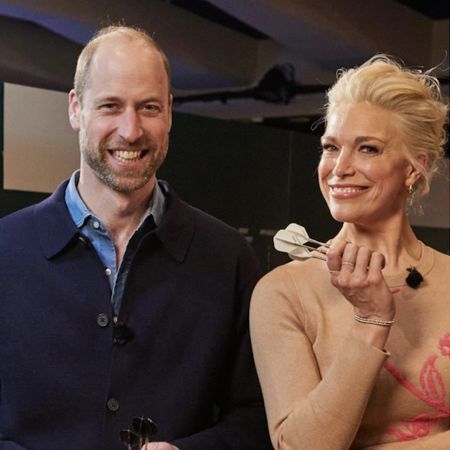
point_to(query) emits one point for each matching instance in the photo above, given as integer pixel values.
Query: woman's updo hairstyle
(413, 95)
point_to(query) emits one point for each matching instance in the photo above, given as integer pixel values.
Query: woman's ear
(414, 173)
(74, 110)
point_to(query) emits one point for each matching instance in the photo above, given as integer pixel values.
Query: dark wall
(254, 178)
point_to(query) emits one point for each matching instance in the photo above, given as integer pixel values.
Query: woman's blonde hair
(413, 95)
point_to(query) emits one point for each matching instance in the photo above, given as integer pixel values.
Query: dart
(302, 235)
(294, 241)
(145, 428)
(130, 439)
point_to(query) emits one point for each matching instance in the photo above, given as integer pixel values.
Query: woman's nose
(344, 163)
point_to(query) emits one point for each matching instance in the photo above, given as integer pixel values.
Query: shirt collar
(56, 228)
(80, 212)
(77, 208)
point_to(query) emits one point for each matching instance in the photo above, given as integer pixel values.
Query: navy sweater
(64, 384)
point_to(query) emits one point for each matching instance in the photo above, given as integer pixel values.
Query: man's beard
(123, 180)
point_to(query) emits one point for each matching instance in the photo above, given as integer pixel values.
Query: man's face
(124, 117)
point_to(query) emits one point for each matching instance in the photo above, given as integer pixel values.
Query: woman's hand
(159, 446)
(356, 272)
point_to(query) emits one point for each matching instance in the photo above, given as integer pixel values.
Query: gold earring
(411, 189)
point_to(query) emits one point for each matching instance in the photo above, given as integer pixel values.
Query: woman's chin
(344, 215)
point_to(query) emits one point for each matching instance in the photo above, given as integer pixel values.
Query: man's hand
(159, 446)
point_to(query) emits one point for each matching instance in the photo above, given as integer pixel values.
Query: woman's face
(363, 173)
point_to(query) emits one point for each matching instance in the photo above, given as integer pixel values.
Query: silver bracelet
(380, 322)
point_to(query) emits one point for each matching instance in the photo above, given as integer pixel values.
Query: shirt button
(108, 272)
(96, 225)
(112, 404)
(102, 320)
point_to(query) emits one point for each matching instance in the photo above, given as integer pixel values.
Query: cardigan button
(102, 320)
(112, 404)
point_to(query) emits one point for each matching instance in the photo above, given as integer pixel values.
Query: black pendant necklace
(414, 277)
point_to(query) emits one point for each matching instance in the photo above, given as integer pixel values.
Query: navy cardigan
(64, 384)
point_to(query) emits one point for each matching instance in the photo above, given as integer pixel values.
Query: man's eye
(151, 107)
(108, 106)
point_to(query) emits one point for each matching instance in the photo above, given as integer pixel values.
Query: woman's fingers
(343, 279)
(357, 274)
(354, 263)
(334, 255)
(376, 264)
(159, 446)
(362, 263)
(359, 277)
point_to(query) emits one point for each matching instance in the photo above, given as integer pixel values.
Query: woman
(349, 353)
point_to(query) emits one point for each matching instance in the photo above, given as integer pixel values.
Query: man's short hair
(88, 52)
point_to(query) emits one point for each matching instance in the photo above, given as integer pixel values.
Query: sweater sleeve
(305, 409)
(8, 445)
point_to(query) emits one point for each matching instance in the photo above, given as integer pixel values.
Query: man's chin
(129, 187)
(125, 185)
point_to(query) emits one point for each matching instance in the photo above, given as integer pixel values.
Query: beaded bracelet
(380, 322)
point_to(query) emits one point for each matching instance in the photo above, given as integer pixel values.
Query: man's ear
(74, 110)
(414, 174)
(169, 110)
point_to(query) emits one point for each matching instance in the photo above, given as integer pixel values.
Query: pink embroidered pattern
(412, 430)
(444, 345)
(432, 392)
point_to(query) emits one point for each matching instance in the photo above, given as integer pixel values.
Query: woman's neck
(395, 239)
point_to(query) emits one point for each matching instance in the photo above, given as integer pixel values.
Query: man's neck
(119, 212)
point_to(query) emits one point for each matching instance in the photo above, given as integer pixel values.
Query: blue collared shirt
(92, 228)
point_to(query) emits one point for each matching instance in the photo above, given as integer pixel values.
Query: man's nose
(130, 126)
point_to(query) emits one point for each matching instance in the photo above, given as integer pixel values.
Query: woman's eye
(369, 149)
(329, 148)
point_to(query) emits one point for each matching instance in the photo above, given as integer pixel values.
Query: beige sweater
(324, 390)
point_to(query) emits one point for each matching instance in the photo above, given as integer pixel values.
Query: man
(118, 299)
